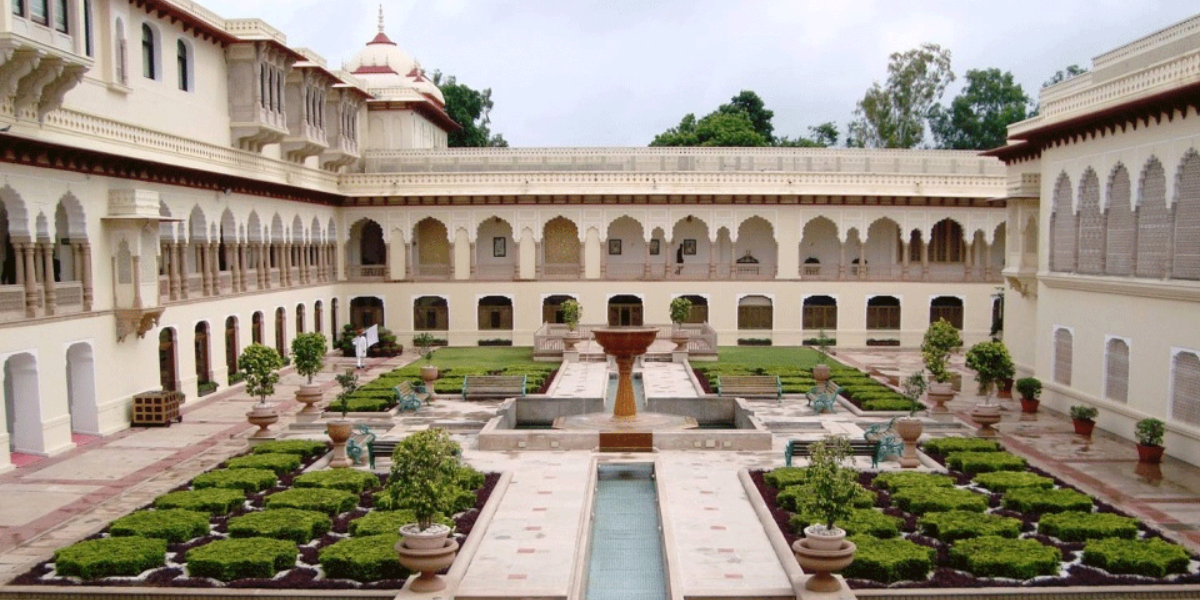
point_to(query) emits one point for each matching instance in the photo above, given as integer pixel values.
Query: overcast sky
(618, 72)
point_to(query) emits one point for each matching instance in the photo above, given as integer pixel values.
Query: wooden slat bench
(379, 448)
(750, 386)
(408, 397)
(360, 440)
(801, 448)
(823, 399)
(493, 386)
(887, 440)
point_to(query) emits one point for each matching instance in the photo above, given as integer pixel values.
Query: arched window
(1185, 388)
(1153, 223)
(1062, 227)
(1116, 370)
(755, 312)
(949, 308)
(883, 312)
(1064, 342)
(121, 59)
(185, 72)
(149, 68)
(820, 313)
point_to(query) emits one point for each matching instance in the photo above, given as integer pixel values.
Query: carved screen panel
(1063, 342)
(1062, 228)
(1186, 262)
(1116, 370)
(1185, 388)
(1121, 240)
(1091, 226)
(1153, 223)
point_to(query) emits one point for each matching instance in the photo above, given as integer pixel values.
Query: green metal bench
(407, 396)
(825, 399)
(802, 448)
(360, 440)
(750, 386)
(888, 442)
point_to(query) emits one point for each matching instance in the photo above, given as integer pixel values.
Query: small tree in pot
(572, 312)
(1083, 417)
(308, 354)
(429, 372)
(832, 486)
(910, 427)
(1029, 388)
(1149, 434)
(820, 371)
(340, 430)
(991, 363)
(680, 309)
(260, 365)
(940, 341)
(424, 467)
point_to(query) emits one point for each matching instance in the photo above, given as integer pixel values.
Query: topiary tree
(991, 363)
(349, 383)
(425, 466)
(308, 354)
(261, 366)
(913, 387)
(1029, 387)
(832, 484)
(1149, 432)
(681, 309)
(572, 312)
(424, 341)
(941, 340)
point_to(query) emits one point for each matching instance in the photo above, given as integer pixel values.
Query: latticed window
(755, 312)
(1153, 222)
(1116, 370)
(883, 312)
(149, 68)
(820, 312)
(1063, 342)
(1186, 262)
(1185, 388)
(946, 243)
(1121, 242)
(1062, 227)
(948, 308)
(1091, 226)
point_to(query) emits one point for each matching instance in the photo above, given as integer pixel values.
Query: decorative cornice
(188, 20)
(1184, 291)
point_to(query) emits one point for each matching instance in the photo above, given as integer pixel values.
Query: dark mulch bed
(297, 578)
(945, 577)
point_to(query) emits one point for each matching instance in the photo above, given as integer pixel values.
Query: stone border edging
(782, 550)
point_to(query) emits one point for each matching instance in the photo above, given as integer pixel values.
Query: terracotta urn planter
(680, 338)
(939, 394)
(1030, 405)
(1150, 454)
(429, 374)
(263, 415)
(822, 555)
(570, 339)
(1083, 427)
(309, 396)
(910, 429)
(986, 415)
(821, 373)
(339, 431)
(426, 552)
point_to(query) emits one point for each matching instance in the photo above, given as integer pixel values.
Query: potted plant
(308, 354)
(681, 309)
(1084, 419)
(340, 430)
(424, 468)
(429, 371)
(940, 341)
(832, 486)
(1149, 434)
(820, 371)
(572, 312)
(910, 427)
(1029, 388)
(260, 366)
(991, 362)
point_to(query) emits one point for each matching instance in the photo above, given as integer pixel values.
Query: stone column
(233, 258)
(285, 265)
(842, 259)
(924, 260)
(202, 265)
(264, 259)
(987, 262)
(48, 277)
(30, 278)
(179, 270)
(137, 281)
(85, 267)
(904, 259)
(862, 260)
(712, 260)
(214, 265)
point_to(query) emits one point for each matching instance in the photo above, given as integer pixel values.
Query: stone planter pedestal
(822, 564)
(263, 415)
(339, 432)
(426, 560)
(910, 429)
(986, 415)
(939, 394)
(309, 396)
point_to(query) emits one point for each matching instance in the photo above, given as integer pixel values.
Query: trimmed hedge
(955, 525)
(302, 448)
(992, 556)
(351, 480)
(782, 477)
(214, 501)
(1082, 526)
(246, 480)
(1004, 481)
(921, 500)
(323, 500)
(1037, 500)
(293, 524)
(788, 498)
(948, 445)
(110, 557)
(369, 558)
(1150, 557)
(241, 558)
(888, 561)
(863, 521)
(886, 404)
(173, 525)
(973, 463)
(895, 480)
(379, 522)
(365, 404)
(277, 462)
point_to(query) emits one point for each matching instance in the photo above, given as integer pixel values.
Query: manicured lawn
(771, 358)
(487, 357)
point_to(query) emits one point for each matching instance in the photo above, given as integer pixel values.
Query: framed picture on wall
(614, 247)
(499, 247)
(689, 246)
(654, 247)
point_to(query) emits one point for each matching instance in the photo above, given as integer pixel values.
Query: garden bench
(823, 398)
(746, 386)
(407, 397)
(379, 448)
(803, 448)
(888, 442)
(493, 386)
(360, 440)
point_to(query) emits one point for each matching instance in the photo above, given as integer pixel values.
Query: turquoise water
(639, 393)
(626, 558)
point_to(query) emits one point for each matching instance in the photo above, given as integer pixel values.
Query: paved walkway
(532, 544)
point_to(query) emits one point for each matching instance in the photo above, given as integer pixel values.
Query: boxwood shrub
(293, 524)
(368, 558)
(303, 448)
(365, 404)
(1003, 481)
(783, 477)
(240, 558)
(351, 480)
(173, 525)
(323, 500)
(947, 445)
(787, 499)
(246, 480)
(1081, 526)
(1151, 557)
(214, 501)
(993, 556)
(955, 525)
(921, 500)
(110, 557)
(379, 522)
(893, 404)
(278, 462)
(863, 521)
(1046, 501)
(889, 560)
(895, 480)
(972, 463)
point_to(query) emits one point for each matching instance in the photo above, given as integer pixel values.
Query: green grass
(455, 363)
(777, 360)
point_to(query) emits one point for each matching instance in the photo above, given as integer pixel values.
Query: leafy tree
(1065, 74)
(978, 118)
(749, 104)
(469, 108)
(893, 115)
(715, 129)
(308, 353)
(261, 365)
(820, 136)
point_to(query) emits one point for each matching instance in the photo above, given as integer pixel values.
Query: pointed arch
(432, 249)
(820, 249)
(561, 249)
(1153, 222)
(1062, 227)
(1186, 261)
(1121, 229)
(1091, 225)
